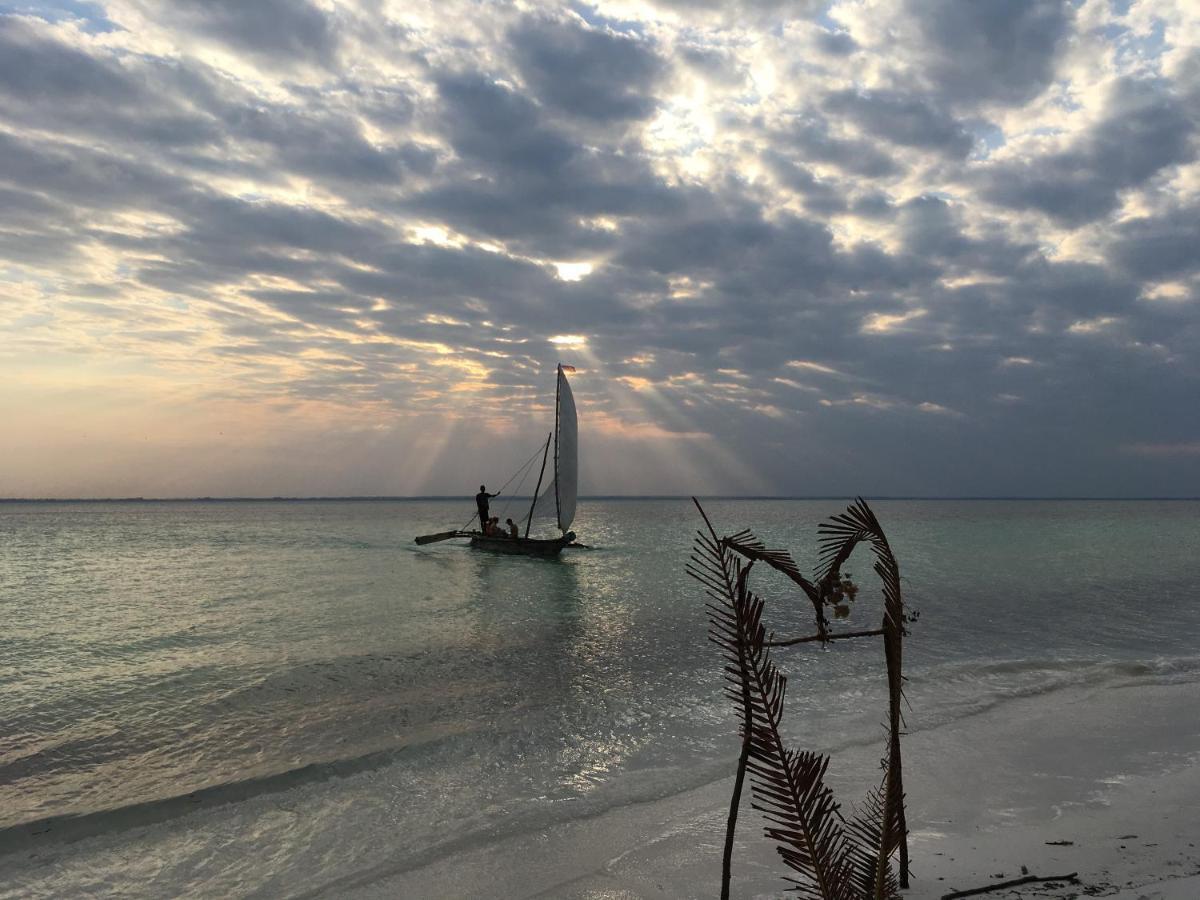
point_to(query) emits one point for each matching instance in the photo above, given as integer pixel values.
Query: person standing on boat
(481, 502)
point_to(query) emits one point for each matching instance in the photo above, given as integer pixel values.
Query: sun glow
(573, 271)
(881, 323)
(1093, 326)
(1171, 291)
(811, 366)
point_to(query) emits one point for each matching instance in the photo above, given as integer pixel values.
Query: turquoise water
(222, 664)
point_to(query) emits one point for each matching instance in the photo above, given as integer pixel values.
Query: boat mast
(557, 389)
(537, 490)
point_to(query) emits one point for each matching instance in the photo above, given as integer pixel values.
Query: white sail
(546, 506)
(566, 456)
(558, 500)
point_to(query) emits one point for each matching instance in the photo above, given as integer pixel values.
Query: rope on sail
(527, 468)
(524, 468)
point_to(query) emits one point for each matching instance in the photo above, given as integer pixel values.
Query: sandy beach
(1102, 782)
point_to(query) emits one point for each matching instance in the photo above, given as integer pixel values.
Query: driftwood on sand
(1073, 878)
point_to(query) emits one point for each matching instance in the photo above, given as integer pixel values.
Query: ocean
(292, 698)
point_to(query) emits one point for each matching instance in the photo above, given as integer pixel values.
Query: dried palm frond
(841, 534)
(749, 546)
(788, 786)
(839, 537)
(874, 840)
(836, 859)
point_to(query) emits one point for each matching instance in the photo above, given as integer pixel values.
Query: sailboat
(557, 501)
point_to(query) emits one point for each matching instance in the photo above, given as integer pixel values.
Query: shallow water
(294, 694)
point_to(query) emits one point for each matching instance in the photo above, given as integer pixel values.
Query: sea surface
(240, 698)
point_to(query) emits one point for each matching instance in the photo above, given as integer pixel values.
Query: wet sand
(1102, 782)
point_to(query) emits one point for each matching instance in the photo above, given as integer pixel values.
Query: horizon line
(383, 498)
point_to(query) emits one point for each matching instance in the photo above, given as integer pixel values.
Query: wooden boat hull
(522, 546)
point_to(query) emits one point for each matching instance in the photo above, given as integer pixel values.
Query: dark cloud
(84, 178)
(523, 178)
(729, 246)
(39, 69)
(201, 118)
(810, 138)
(934, 230)
(836, 43)
(1159, 247)
(101, 97)
(490, 124)
(873, 205)
(587, 72)
(997, 52)
(225, 239)
(820, 197)
(1145, 129)
(281, 32)
(902, 119)
(715, 64)
(26, 209)
(324, 144)
(736, 10)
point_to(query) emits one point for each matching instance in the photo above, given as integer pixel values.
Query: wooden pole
(536, 490)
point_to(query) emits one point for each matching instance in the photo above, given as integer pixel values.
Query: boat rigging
(557, 501)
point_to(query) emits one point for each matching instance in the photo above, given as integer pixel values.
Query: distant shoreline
(464, 497)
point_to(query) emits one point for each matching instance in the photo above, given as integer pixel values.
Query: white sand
(1112, 770)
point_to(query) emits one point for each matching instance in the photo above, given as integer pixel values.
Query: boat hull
(522, 546)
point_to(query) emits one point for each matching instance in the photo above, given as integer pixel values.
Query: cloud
(586, 72)
(990, 52)
(1191, 448)
(1161, 246)
(901, 119)
(281, 32)
(1145, 129)
(810, 137)
(839, 247)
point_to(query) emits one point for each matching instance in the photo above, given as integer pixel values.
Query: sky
(302, 248)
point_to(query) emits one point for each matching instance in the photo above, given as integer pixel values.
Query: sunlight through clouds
(577, 271)
(776, 236)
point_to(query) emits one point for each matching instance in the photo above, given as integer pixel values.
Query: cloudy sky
(913, 247)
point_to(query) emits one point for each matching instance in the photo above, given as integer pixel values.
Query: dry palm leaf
(835, 859)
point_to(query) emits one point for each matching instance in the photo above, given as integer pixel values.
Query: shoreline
(1111, 769)
(1093, 777)
(683, 498)
(987, 795)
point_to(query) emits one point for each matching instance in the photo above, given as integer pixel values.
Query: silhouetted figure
(481, 502)
(512, 528)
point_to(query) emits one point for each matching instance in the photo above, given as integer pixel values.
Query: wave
(940, 694)
(947, 693)
(1097, 670)
(71, 827)
(1024, 677)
